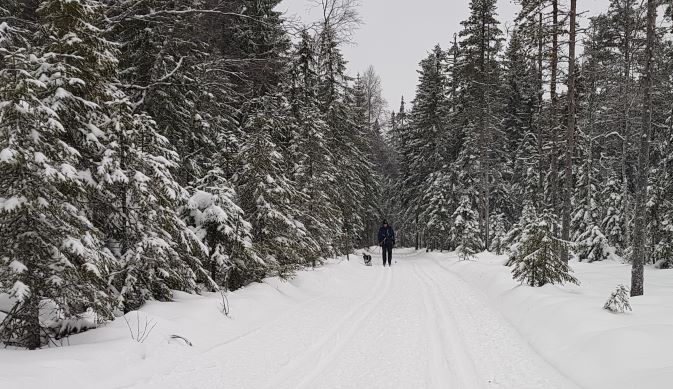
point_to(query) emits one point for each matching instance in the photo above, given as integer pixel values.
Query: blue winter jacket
(386, 236)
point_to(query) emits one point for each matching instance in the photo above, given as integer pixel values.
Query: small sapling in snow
(619, 301)
(142, 329)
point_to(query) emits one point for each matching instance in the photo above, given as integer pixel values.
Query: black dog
(367, 258)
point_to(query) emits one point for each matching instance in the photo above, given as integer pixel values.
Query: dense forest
(515, 142)
(149, 146)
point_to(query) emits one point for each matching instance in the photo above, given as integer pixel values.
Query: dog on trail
(367, 258)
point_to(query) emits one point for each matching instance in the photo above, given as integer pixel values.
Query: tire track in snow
(449, 368)
(321, 353)
(439, 368)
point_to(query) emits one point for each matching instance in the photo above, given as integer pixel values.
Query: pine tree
(437, 212)
(129, 163)
(425, 137)
(52, 257)
(619, 301)
(639, 254)
(587, 214)
(513, 236)
(344, 114)
(215, 217)
(465, 232)
(481, 41)
(268, 197)
(519, 125)
(498, 243)
(593, 246)
(613, 221)
(535, 256)
(660, 208)
(170, 70)
(156, 251)
(315, 170)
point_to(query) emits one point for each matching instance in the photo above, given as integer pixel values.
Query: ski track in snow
(415, 325)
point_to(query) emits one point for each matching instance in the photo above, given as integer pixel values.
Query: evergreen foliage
(51, 255)
(465, 232)
(215, 217)
(535, 256)
(619, 301)
(152, 146)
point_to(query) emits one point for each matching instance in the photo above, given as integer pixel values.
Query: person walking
(386, 241)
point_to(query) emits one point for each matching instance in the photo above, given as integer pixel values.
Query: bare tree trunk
(540, 197)
(554, 112)
(570, 134)
(625, 91)
(637, 276)
(417, 233)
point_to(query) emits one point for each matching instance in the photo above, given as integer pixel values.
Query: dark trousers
(387, 253)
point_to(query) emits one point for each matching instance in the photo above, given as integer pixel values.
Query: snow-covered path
(415, 325)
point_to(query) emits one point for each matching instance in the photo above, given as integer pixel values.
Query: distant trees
(505, 128)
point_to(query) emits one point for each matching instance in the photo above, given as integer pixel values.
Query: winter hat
(385, 222)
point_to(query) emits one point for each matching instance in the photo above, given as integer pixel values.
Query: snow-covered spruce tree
(521, 124)
(374, 158)
(479, 73)
(51, 257)
(260, 38)
(528, 215)
(79, 69)
(587, 213)
(215, 217)
(613, 221)
(171, 71)
(437, 212)
(314, 168)
(660, 206)
(348, 139)
(619, 301)
(499, 230)
(535, 256)
(660, 209)
(590, 242)
(465, 230)
(156, 252)
(268, 197)
(134, 196)
(425, 138)
(594, 246)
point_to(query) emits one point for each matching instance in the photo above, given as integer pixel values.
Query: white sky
(397, 34)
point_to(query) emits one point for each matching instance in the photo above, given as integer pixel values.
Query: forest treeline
(148, 146)
(516, 143)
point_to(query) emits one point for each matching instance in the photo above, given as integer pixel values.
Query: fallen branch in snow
(224, 306)
(187, 342)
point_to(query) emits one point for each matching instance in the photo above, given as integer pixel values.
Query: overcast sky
(397, 34)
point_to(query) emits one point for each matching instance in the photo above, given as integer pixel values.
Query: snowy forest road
(415, 325)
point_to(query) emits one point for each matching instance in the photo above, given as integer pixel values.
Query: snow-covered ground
(567, 326)
(429, 321)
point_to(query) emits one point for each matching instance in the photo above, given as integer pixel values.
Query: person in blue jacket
(386, 241)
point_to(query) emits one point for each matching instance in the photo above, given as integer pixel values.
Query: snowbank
(108, 357)
(569, 328)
